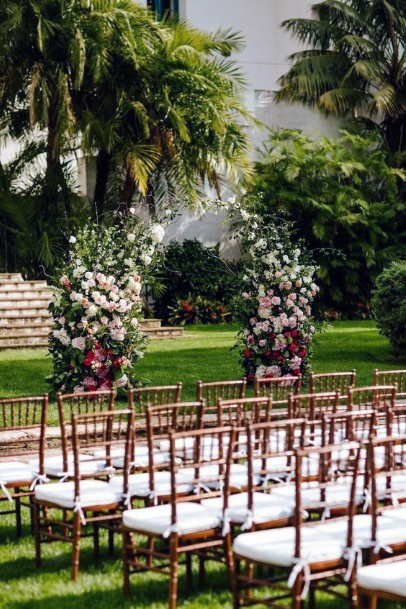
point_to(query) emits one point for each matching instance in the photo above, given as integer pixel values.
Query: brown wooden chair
(140, 397)
(312, 406)
(332, 381)
(150, 479)
(278, 389)
(186, 524)
(22, 435)
(384, 576)
(87, 499)
(213, 391)
(309, 551)
(377, 397)
(60, 465)
(392, 377)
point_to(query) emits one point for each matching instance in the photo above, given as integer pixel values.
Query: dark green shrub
(389, 302)
(192, 270)
(198, 310)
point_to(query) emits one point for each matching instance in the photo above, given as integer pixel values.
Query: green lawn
(205, 355)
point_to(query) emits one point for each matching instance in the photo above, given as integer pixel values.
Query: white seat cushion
(277, 546)
(399, 513)
(389, 531)
(265, 508)
(54, 466)
(389, 577)
(139, 484)
(92, 493)
(337, 494)
(209, 475)
(15, 472)
(191, 518)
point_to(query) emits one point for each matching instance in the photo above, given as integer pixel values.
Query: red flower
(247, 353)
(250, 376)
(302, 353)
(287, 334)
(271, 336)
(294, 333)
(293, 348)
(296, 371)
(267, 353)
(89, 358)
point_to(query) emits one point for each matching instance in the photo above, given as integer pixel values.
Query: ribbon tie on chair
(248, 522)
(39, 479)
(5, 490)
(379, 546)
(354, 557)
(300, 565)
(226, 523)
(78, 508)
(173, 528)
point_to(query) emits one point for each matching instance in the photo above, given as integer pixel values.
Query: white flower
(157, 233)
(72, 239)
(132, 211)
(134, 322)
(91, 311)
(79, 343)
(89, 275)
(145, 259)
(131, 237)
(231, 200)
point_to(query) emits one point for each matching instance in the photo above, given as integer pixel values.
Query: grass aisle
(205, 355)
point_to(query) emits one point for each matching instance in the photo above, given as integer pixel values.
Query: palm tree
(355, 64)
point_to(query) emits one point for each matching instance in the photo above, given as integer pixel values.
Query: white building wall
(263, 61)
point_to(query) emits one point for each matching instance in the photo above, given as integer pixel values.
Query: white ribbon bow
(226, 523)
(39, 479)
(174, 528)
(5, 490)
(300, 565)
(248, 522)
(78, 508)
(354, 557)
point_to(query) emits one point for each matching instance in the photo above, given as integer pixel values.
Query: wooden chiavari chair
(140, 397)
(377, 397)
(87, 499)
(312, 554)
(186, 524)
(332, 381)
(211, 392)
(392, 377)
(278, 389)
(22, 434)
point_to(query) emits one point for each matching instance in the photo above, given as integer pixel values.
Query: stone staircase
(25, 321)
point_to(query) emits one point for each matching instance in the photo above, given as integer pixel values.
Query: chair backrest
(101, 433)
(313, 405)
(392, 377)
(332, 381)
(206, 472)
(388, 479)
(80, 403)
(278, 388)
(349, 426)
(23, 428)
(227, 390)
(139, 397)
(336, 464)
(242, 411)
(377, 397)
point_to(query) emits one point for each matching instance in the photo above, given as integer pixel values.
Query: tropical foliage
(342, 196)
(389, 304)
(96, 341)
(156, 105)
(199, 284)
(354, 64)
(274, 306)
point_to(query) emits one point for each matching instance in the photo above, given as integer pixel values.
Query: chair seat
(139, 485)
(191, 518)
(141, 456)
(337, 494)
(13, 473)
(92, 493)
(54, 466)
(399, 513)
(387, 577)
(265, 508)
(209, 475)
(277, 547)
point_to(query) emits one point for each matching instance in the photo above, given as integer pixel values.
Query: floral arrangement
(275, 303)
(97, 304)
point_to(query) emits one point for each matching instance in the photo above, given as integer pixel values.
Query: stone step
(16, 330)
(146, 324)
(16, 286)
(28, 303)
(24, 311)
(26, 295)
(165, 332)
(22, 342)
(11, 277)
(14, 318)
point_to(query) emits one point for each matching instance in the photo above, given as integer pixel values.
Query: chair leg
(110, 534)
(76, 545)
(202, 571)
(312, 598)
(32, 514)
(228, 553)
(297, 602)
(353, 600)
(96, 544)
(37, 533)
(373, 602)
(173, 584)
(127, 546)
(17, 503)
(189, 574)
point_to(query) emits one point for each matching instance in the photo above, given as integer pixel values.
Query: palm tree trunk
(103, 162)
(127, 193)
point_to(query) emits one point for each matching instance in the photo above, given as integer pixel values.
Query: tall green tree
(354, 64)
(342, 196)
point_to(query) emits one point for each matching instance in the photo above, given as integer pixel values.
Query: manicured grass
(205, 355)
